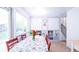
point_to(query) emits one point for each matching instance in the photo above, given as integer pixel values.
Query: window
(21, 24)
(4, 24)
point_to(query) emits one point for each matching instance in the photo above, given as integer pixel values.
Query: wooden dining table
(31, 45)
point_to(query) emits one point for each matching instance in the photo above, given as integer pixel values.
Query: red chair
(49, 45)
(11, 43)
(48, 42)
(19, 38)
(23, 36)
(46, 38)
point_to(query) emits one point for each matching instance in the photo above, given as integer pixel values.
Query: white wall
(52, 23)
(72, 25)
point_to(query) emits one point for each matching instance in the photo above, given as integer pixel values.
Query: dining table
(30, 44)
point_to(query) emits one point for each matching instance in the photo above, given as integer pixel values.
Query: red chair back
(46, 38)
(23, 36)
(49, 45)
(48, 42)
(11, 43)
(19, 38)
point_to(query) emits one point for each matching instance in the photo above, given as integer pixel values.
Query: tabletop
(31, 45)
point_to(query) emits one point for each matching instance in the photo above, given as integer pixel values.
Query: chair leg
(49, 45)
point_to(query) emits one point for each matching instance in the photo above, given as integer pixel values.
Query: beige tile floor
(59, 46)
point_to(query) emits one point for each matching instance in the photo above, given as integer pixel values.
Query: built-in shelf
(63, 30)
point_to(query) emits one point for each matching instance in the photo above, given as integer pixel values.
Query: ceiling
(49, 11)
